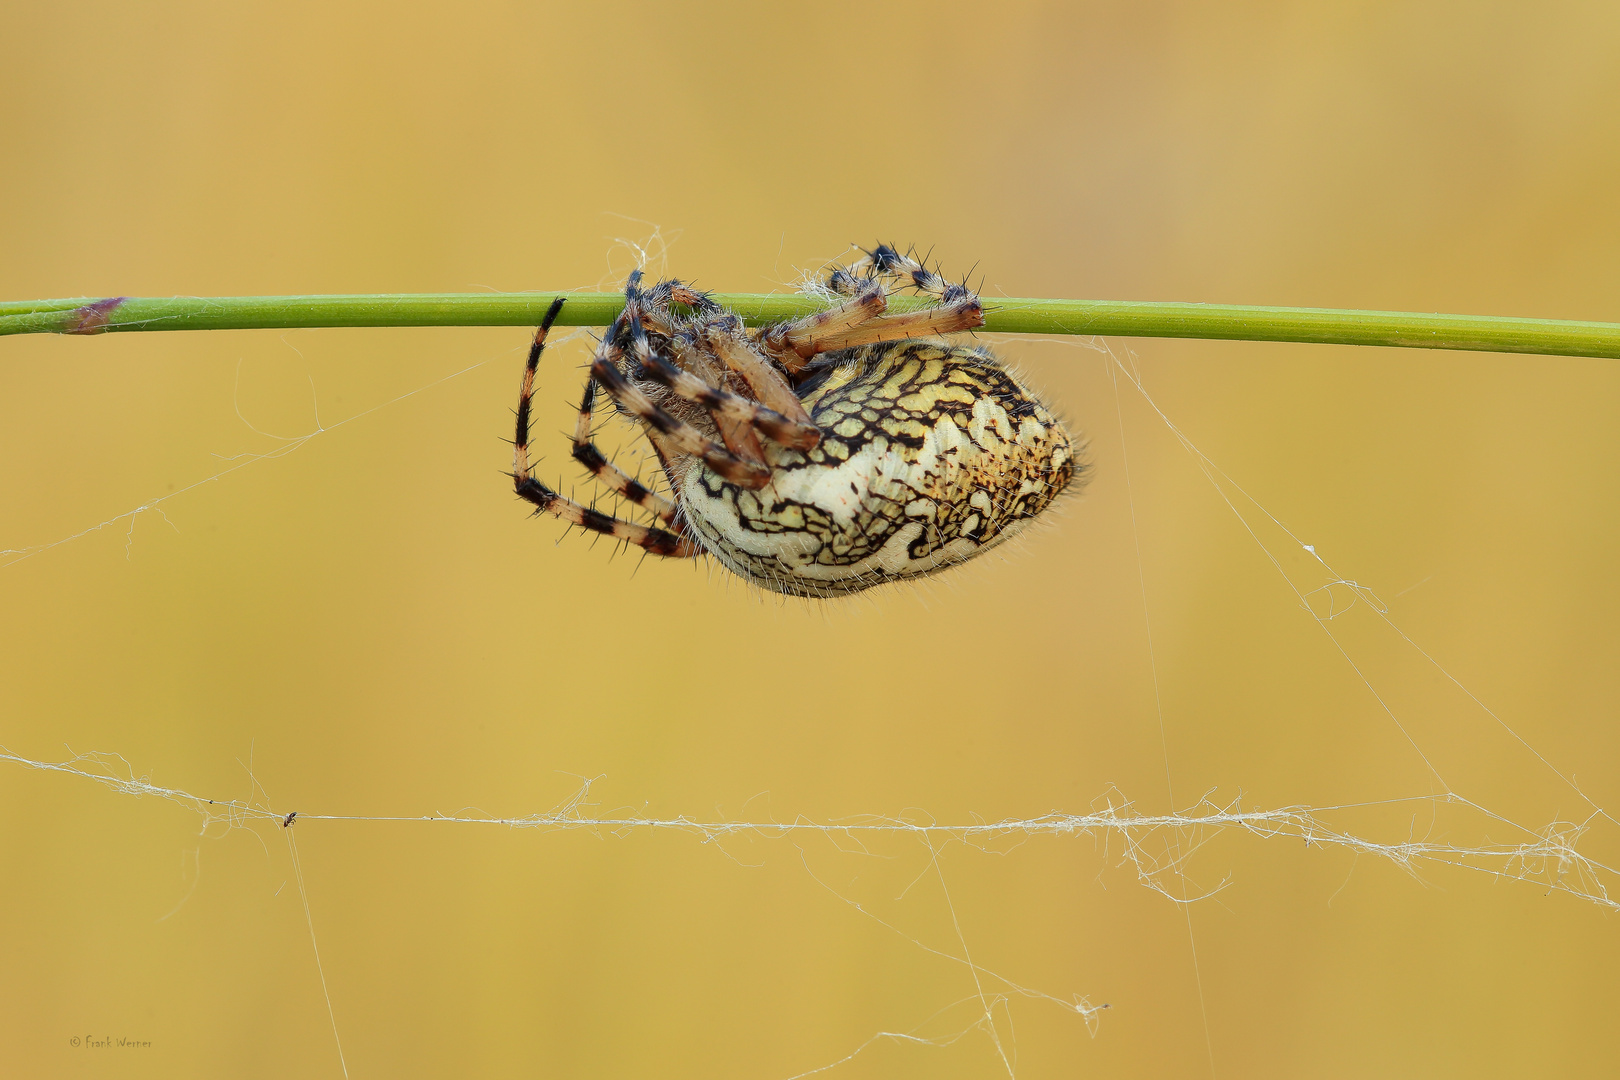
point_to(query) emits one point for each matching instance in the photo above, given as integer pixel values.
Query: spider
(816, 457)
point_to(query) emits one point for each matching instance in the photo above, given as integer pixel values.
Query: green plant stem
(1485, 333)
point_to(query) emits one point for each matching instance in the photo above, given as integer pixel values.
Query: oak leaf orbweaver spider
(820, 456)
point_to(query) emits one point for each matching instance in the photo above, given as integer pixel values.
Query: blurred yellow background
(373, 623)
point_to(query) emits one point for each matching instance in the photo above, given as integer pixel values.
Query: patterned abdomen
(930, 454)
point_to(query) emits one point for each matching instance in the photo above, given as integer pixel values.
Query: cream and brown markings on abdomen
(929, 455)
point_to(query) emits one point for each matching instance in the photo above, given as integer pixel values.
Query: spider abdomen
(930, 454)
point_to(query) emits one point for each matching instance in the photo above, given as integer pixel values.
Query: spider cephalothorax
(820, 456)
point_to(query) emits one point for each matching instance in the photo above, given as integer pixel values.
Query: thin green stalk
(1006, 315)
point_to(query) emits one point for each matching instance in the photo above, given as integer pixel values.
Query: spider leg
(654, 305)
(776, 410)
(725, 338)
(953, 318)
(886, 261)
(958, 308)
(794, 343)
(692, 359)
(723, 404)
(741, 439)
(679, 434)
(520, 441)
(863, 319)
(681, 293)
(682, 436)
(597, 464)
(657, 541)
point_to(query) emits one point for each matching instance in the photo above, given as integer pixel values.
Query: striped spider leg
(794, 343)
(863, 318)
(713, 344)
(885, 261)
(672, 436)
(690, 357)
(777, 412)
(658, 541)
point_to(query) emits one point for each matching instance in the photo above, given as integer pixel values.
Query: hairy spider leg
(774, 410)
(726, 339)
(691, 357)
(863, 319)
(681, 436)
(844, 282)
(655, 305)
(720, 402)
(520, 441)
(677, 291)
(886, 261)
(657, 541)
(597, 464)
(740, 436)
(958, 309)
(792, 344)
(951, 318)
